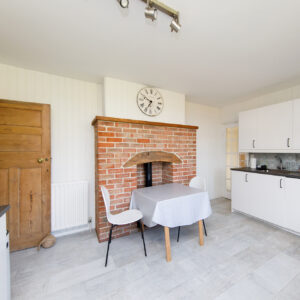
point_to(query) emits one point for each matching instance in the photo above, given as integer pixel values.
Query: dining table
(172, 205)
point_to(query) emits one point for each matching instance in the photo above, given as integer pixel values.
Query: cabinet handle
(246, 178)
(280, 183)
(253, 144)
(288, 142)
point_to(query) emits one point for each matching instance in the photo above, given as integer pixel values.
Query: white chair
(198, 183)
(124, 218)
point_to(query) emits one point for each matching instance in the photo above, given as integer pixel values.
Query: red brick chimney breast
(116, 141)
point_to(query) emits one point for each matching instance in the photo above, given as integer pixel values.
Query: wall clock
(150, 101)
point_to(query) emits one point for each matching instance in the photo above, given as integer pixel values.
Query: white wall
(74, 104)
(210, 146)
(229, 113)
(120, 101)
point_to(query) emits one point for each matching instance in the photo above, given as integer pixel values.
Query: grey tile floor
(242, 259)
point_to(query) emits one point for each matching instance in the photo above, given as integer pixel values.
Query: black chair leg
(204, 227)
(142, 233)
(178, 234)
(108, 243)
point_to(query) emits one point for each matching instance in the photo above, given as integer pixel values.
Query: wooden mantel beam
(152, 156)
(111, 119)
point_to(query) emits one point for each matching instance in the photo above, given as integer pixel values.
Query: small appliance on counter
(262, 168)
(253, 163)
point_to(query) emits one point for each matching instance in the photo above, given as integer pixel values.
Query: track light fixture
(124, 3)
(150, 12)
(175, 26)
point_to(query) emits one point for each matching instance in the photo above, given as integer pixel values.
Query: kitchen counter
(3, 209)
(282, 173)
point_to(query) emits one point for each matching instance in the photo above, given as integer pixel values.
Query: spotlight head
(124, 3)
(175, 26)
(151, 13)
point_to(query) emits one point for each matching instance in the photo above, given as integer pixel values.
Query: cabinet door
(3, 258)
(269, 200)
(242, 191)
(275, 126)
(296, 124)
(292, 205)
(247, 130)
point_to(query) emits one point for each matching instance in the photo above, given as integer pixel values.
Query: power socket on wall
(90, 220)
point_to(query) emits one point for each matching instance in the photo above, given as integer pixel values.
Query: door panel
(25, 182)
(30, 201)
(20, 143)
(19, 116)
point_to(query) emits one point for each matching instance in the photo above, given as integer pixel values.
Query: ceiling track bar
(163, 8)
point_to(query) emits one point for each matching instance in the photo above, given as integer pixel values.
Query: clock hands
(145, 98)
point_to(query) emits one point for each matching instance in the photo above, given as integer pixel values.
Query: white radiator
(69, 205)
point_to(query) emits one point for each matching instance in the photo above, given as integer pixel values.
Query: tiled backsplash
(290, 161)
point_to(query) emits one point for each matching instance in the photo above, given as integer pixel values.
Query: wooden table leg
(168, 245)
(143, 227)
(201, 238)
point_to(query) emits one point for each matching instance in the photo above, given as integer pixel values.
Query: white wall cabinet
(247, 130)
(274, 128)
(274, 199)
(296, 125)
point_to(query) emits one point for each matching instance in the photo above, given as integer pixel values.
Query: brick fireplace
(117, 141)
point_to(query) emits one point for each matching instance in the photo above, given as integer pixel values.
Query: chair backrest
(106, 199)
(198, 183)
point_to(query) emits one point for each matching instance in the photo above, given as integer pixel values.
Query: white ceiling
(226, 49)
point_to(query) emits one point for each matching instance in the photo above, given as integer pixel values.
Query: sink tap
(280, 160)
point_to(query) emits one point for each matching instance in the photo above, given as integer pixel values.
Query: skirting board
(72, 230)
(266, 222)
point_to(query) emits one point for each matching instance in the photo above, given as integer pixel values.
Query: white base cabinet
(274, 199)
(4, 261)
(292, 204)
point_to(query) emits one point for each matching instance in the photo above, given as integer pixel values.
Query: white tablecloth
(171, 205)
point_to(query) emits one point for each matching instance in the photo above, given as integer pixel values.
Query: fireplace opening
(148, 174)
(153, 167)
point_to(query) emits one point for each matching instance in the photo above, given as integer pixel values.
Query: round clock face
(150, 101)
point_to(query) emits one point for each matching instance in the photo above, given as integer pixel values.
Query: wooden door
(25, 171)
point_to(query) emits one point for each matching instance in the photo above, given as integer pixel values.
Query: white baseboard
(72, 230)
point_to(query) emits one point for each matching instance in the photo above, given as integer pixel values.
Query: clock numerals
(150, 102)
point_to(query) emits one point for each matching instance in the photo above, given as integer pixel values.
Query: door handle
(40, 160)
(288, 142)
(280, 183)
(246, 178)
(253, 144)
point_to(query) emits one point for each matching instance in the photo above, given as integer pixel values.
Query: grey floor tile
(238, 261)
